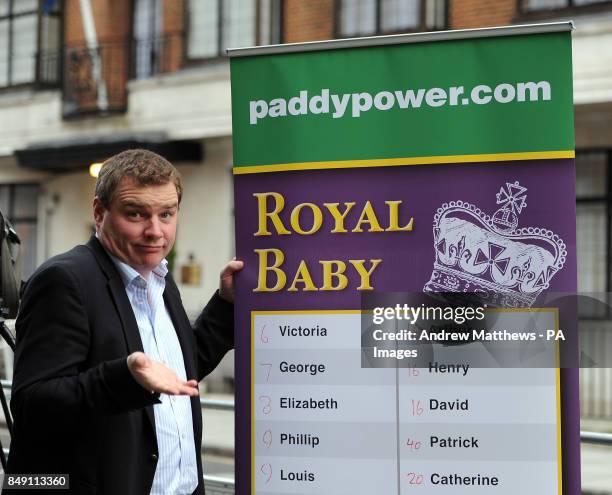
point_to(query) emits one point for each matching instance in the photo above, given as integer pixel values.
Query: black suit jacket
(76, 407)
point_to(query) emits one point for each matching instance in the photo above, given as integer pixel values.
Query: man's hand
(156, 377)
(226, 282)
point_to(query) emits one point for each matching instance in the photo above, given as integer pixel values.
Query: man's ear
(98, 211)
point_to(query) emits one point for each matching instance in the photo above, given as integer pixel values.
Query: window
(215, 25)
(29, 42)
(534, 5)
(593, 225)
(591, 220)
(19, 203)
(147, 41)
(369, 17)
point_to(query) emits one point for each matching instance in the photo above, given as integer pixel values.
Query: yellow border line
(555, 311)
(252, 403)
(559, 416)
(394, 162)
(559, 428)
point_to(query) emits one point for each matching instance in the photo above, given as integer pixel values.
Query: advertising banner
(370, 172)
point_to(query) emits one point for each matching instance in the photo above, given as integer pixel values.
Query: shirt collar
(130, 275)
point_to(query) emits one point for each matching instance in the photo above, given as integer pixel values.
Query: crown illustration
(489, 256)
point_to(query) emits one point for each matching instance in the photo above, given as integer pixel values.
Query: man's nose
(153, 228)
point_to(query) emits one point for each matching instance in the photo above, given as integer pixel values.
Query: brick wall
(112, 20)
(593, 123)
(465, 14)
(315, 19)
(309, 20)
(172, 32)
(73, 26)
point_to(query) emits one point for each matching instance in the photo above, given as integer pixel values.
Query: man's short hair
(143, 166)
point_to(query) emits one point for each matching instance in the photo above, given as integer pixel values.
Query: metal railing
(596, 438)
(41, 69)
(214, 404)
(96, 77)
(215, 485)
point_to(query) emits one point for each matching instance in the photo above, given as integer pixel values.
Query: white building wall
(65, 213)
(206, 220)
(206, 229)
(187, 104)
(592, 59)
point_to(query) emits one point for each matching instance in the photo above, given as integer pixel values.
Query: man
(107, 364)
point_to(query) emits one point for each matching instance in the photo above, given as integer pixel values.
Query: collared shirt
(177, 471)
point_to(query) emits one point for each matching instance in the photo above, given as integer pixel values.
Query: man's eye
(167, 214)
(134, 214)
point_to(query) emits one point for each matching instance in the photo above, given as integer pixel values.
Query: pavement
(596, 460)
(218, 439)
(596, 469)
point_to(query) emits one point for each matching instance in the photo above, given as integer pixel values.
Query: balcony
(95, 77)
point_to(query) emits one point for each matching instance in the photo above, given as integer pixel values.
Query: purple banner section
(543, 197)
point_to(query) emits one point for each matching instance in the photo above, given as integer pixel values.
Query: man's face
(139, 228)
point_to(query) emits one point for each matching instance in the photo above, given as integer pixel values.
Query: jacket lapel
(122, 304)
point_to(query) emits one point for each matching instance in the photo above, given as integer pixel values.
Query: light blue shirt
(177, 472)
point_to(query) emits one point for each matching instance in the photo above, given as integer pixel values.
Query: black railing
(156, 56)
(48, 69)
(95, 77)
(41, 70)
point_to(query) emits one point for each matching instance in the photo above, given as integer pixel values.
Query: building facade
(83, 79)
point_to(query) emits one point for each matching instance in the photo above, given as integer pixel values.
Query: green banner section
(498, 95)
